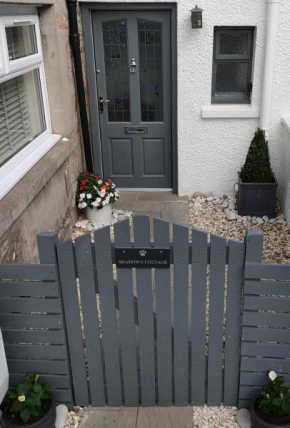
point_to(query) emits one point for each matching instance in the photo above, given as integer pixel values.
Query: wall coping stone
(17, 200)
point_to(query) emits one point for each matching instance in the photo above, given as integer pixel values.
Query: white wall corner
(285, 175)
(286, 121)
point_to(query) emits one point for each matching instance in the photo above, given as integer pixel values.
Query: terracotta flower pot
(47, 420)
(262, 420)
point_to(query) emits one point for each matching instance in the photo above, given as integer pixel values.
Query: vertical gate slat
(90, 318)
(254, 253)
(163, 318)
(104, 268)
(145, 315)
(198, 317)
(233, 325)
(73, 321)
(127, 320)
(216, 314)
(181, 277)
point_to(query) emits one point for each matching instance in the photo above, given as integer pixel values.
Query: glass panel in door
(150, 58)
(116, 70)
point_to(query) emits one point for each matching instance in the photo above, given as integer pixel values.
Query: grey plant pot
(257, 199)
(257, 422)
(47, 421)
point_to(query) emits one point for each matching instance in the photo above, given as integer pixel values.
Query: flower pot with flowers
(29, 405)
(95, 196)
(271, 408)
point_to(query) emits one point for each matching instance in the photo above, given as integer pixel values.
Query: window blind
(14, 117)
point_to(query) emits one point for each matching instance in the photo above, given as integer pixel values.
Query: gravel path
(74, 418)
(214, 417)
(202, 417)
(212, 217)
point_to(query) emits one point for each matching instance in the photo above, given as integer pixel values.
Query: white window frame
(15, 168)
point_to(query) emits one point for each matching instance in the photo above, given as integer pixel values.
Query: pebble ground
(212, 218)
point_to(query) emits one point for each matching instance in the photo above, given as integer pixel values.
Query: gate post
(254, 246)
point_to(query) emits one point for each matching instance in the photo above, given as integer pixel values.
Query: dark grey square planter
(257, 199)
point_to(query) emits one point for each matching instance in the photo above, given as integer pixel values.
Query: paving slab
(109, 418)
(164, 417)
(150, 206)
(126, 201)
(165, 196)
(175, 212)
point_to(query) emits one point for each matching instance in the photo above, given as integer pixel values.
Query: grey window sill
(17, 200)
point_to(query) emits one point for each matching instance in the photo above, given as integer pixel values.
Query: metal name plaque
(136, 129)
(142, 257)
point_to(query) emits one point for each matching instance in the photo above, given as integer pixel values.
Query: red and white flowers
(94, 192)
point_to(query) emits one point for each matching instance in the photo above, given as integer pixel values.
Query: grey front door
(132, 54)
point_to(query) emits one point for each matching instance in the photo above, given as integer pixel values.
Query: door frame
(86, 12)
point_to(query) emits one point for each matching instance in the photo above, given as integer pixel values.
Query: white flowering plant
(275, 398)
(27, 398)
(94, 192)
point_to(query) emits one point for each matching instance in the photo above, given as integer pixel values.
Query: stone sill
(34, 3)
(229, 111)
(17, 200)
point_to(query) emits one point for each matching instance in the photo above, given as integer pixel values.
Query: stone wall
(44, 199)
(52, 209)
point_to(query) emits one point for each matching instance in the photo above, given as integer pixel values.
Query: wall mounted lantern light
(196, 17)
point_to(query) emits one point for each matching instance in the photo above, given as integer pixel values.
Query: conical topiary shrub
(257, 167)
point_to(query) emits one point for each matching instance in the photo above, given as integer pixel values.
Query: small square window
(21, 41)
(232, 65)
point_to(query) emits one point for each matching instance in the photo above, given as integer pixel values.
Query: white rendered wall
(285, 175)
(211, 150)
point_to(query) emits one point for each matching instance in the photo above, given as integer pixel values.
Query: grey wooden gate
(153, 336)
(206, 330)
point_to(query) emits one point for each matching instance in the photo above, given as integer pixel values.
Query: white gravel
(214, 417)
(218, 215)
(84, 226)
(74, 418)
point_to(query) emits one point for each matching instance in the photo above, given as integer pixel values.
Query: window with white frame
(25, 130)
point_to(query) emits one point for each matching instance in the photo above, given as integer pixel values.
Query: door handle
(101, 103)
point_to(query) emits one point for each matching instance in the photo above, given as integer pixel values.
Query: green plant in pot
(257, 182)
(29, 404)
(272, 406)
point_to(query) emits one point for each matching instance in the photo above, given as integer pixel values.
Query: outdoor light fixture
(196, 17)
(133, 66)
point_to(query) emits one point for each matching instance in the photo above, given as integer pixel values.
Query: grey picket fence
(204, 331)
(265, 344)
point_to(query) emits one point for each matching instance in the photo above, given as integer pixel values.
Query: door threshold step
(143, 189)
